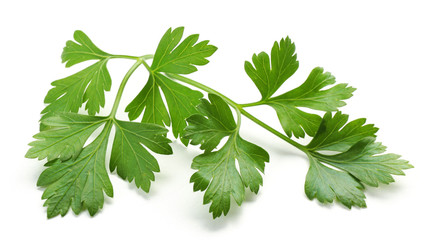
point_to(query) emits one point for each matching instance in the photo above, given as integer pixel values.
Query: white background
(388, 50)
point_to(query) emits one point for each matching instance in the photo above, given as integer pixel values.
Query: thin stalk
(274, 131)
(147, 56)
(144, 57)
(122, 86)
(258, 103)
(124, 56)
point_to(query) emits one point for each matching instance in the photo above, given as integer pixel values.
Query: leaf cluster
(344, 155)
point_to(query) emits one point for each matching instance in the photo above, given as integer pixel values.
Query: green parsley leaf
(171, 57)
(336, 134)
(365, 161)
(216, 123)
(218, 176)
(129, 155)
(78, 182)
(309, 95)
(327, 185)
(180, 59)
(217, 173)
(65, 137)
(81, 51)
(358, 157)
(182, 102)
(295, 121)
(77, 175)
(149, 101)
(268, 78)
(88, 85)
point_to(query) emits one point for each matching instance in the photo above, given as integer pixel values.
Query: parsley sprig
(76, 176)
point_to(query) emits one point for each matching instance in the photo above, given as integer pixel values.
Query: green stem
(239, 109)
(144, 57)
(258, 103)
(122, 86)
(124, 56)
(274, 131)
(147, 56)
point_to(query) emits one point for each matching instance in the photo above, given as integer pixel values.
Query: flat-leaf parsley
(76, 175)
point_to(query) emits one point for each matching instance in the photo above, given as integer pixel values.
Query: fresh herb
(76, 175)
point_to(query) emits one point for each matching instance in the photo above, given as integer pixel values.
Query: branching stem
(239, 108)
